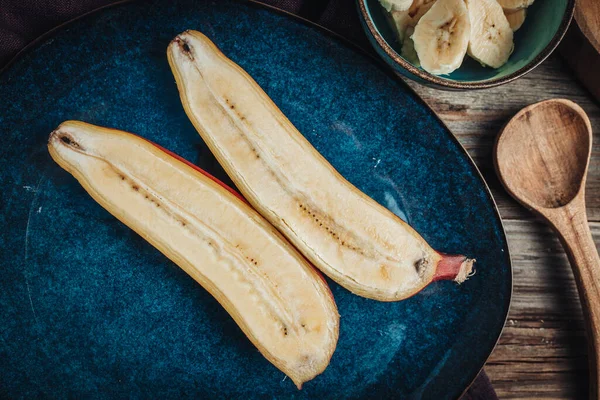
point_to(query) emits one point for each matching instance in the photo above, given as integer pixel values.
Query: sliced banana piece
(398, 5)
(491, 40)
(419, 8)
(515, 18)
(402, 21)
(442, 36)
(405, 20)
(514, 5)
(408, 48)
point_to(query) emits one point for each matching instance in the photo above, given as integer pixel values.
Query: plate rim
(382, 66)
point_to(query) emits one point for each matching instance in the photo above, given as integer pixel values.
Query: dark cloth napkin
(22, 21)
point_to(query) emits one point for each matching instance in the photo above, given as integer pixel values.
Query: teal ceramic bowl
(545, 25)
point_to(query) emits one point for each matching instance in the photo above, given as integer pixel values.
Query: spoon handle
(571, 223)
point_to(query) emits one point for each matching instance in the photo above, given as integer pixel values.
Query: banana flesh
(516, 18)
(491, 40)
(514, 5)
(438, 51)
(419, 8)
(399, 5)
(354, 240)
(408, 48)
(442, 36)
(274, 295)
(404, 21)
(401, 22)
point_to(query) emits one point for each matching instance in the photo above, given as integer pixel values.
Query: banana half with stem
(279, 301)
(441, 37)
(491, 41)
(346, 234)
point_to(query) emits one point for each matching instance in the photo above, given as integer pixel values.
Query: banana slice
(399, 5)
(491, 40)
(405, 20)
(408, 48)
(402, 21)
(419, 8)
(442, 36)
(514, 5)
(515, 18)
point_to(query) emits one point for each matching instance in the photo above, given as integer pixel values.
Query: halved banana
(278, 300)
(357, 242)
(442, 36)
(491, 40)
(399, 5)
(514, 5)
(516, 18)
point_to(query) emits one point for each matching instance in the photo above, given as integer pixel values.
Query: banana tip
(179, 43)
(60, 137)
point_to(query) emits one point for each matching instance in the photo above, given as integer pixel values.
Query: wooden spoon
(542, 157)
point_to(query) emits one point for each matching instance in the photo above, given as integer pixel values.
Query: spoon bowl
(543, 153)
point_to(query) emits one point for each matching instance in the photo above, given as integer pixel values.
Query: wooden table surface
(542, 351)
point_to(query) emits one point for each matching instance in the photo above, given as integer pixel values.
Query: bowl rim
(371, 30)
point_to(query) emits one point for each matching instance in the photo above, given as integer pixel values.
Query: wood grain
(542, 351)
(587, 15)
(476, 117)
(578, 50)
(541, 157)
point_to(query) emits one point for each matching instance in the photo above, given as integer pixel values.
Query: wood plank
(542, 351)
(476, 117)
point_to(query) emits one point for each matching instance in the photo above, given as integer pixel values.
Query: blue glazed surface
(90, 309)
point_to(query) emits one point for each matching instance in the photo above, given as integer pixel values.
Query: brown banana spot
(384, 271)
(184, 46)
(421, 266)
(330, 227)
(241, 116)
(68, 140)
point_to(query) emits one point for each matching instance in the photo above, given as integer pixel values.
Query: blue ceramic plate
(89, 309)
